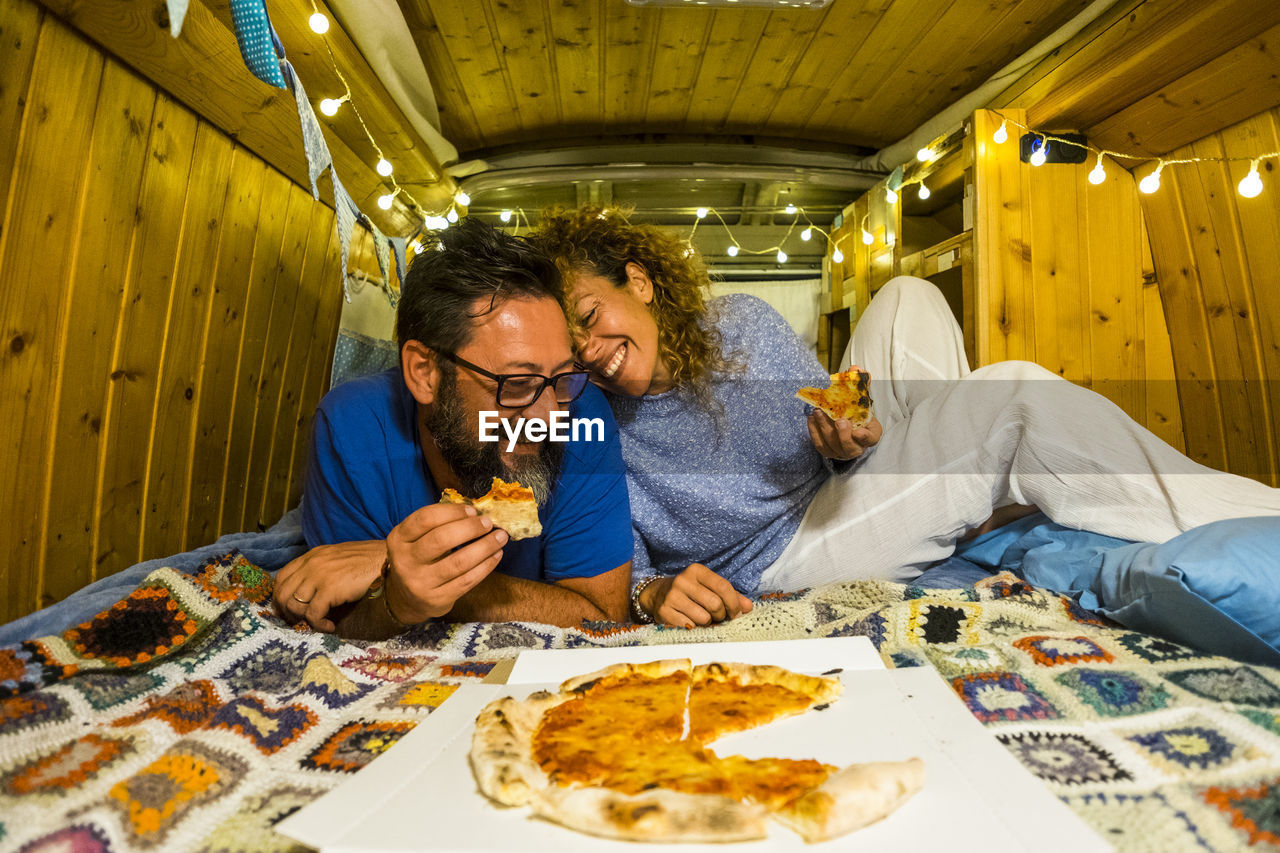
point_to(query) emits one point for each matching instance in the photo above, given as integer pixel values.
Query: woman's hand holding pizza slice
(842, 425)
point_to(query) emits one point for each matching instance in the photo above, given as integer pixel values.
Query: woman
(736, 487)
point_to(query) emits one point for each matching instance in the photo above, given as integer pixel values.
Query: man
(480, 329)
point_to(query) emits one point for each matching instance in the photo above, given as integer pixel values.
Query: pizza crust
(852, 798)
(657, 815)
(511, 506)
(502, 747)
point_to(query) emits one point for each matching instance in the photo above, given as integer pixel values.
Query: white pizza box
(812, 656)
(421, 795)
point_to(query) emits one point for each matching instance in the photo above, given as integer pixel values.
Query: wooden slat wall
(1061, 279)
(168, 305)
(1217, 257)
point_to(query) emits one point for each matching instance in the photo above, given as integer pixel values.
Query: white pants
(959, 444)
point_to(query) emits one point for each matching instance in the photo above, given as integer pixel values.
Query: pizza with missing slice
(848, 397)
(511, 506)
(622, 753)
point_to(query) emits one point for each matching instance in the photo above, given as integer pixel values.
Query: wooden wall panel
(173, 421)
(227, 318)
(1216, 256)
(1060, 277)
(95, 290)
(55, 132)
(128, 435)
(168, 304)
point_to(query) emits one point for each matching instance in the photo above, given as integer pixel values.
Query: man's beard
(476, 463)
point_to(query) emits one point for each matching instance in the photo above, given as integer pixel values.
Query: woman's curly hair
(602, 241)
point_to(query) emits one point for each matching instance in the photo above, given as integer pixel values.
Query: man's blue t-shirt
(366, 473)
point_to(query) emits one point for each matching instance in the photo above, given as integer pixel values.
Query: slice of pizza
(734, 697)
(852, 798)
(848, 397)
(511, 506)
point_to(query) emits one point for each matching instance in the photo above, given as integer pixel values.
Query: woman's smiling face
(617, 339)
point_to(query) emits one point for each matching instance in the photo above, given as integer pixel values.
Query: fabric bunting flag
(177, 14)
(257, 45)
(318, 156)
(398, 246)
(382, 248)
(345, 215)
(895, 180)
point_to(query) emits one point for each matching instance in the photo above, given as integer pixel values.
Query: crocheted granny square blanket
(189, 717)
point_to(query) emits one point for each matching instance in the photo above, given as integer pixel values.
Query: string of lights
(1250, 186)
(319, 23)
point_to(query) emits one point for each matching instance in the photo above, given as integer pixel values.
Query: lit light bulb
(1040, 154)
(867, 237)
(417, 249)
(384, 201)
(791, 208)
(437, 223)
(702, 213)
(1002, 134)
(837, 256)
(452, 215)
(319, 23)
(505, 216)
(384, 167)
(732, 251)
(1151, 182)
(1099, 174)
(890, 196)
(329, 106)
(462, 198)
(1251, 184)
(806, 234)
(782, 257)
(924, 191)
(924, 155)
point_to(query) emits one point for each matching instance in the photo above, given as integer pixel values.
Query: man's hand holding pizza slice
(435, 556)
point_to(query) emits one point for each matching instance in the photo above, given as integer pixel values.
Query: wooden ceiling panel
(457, 118)
(469, 42)
(732, 34)
(1152, 47)
(629, 40)
(522, 43)
(768, 70)
(577, 59)
(860, 73)
(819, 73)
(995, 39)
(868, 71)
(681, 39)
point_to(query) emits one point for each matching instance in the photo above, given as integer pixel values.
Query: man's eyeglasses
(517, 390)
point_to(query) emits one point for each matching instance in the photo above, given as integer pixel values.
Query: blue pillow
(1215, 588)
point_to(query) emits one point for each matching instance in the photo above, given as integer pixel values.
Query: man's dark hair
(466, 272)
